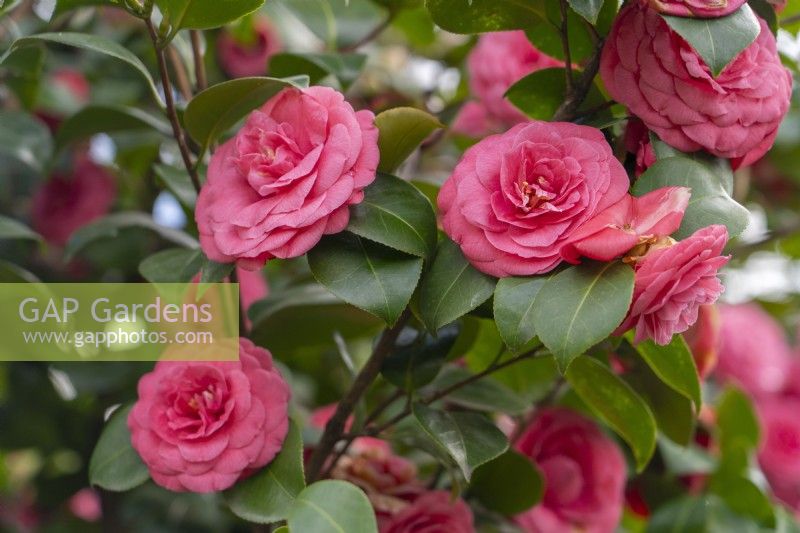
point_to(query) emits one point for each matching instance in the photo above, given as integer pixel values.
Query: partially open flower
(433, 512)
(695, 8)
(239, 58)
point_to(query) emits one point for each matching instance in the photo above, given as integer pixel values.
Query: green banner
(119, 321)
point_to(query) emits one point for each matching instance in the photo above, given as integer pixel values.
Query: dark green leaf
(617, 404)
(107, 119)
(588, 9)
(337, 23)
(368, 275)
(469, 439)
(25, 139)
(204, 14)
(267, 496)
(718, 166)
(24, 73)
(513, 309)
(418, 356)
(332, 506)
(581, 306)
(402, 129)
(710, 203)
(394, 213)
(743, 497)
(739, 431)
(179, 183)
(115, 465)
(11, 273)
(478, 16)
(213, 111)
(674, 365)
(764, 9)
(508, 485)
(718, 40)
(13, 230)
(213, 272)
(176, 265)
(95, 43)
(344, 67)
(451, 287)
(539, 94)
(110, 226)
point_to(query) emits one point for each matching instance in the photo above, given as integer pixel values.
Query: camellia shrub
(503, 265)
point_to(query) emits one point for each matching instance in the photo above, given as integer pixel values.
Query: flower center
(534, 194)
(647, 244)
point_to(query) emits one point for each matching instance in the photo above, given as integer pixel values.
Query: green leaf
(513, 309)
(346, 68)
(110, 226)
(11, 273)
(508, 485)
(8, 5)
(674, 365)
(739, 431)
(451, 287)
(588, 9)
(479, 16)
(332, 506)
(394, 213)
(418, 356)
(617, 404)
(703, 514)
(176, 265)
(213, 272)
(485, 394)
(402, 130)
(743, 497)
(204, 14)
(114, 464)
(94, 43)
(581, 306)
(469, 439)
(26, 139)
(63, 6)
(716, 165)
(368, 275)
(107, 119)
(215, 110)
(11, 229)
(338, 23)
(684, 460)
(179, 183)
(540, 94)
(710, 202)
(267, 496)
(718, 40)
(24, 73)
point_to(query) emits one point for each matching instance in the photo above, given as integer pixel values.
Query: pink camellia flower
(200, 427)
(497, 61)
(628, 223)
(637, 141)
(66, 202)
(695, 8)
(85, 504)
(242, 59)
(673, 281)
(287, 178)
(515, 198)
(433, 512)
(753, 351)
(703, 339)
(652, 70)
(584, 473)
(779, 452)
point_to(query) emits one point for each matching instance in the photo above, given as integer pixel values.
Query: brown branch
(568, 109)
(565, 46)
(180, 73)
(335, 426)
(199, 63)
(372, 35)
(172, 114)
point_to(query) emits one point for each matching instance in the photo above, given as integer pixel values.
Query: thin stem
(180, 73)
(199, 63)
(372, 35)
(335, 426)
(565, 46)
(380, 408)
(789, 20)
(568, 109)
(172, 114)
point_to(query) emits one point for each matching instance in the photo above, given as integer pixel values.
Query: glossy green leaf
(485, 394)
(718, 166)
(204, 14)
(617, 404)
(508, 485)
(110, 226)
(469, 439)
(214, 111)
(176, 265)
(267, 496)
(337, 23)
(368, 275)
(401, 131)
(114, 464)
(451, 287)
(418, 356)
(718, 40)
(581, 306)
(709, 204)
(539, 94)
(674, 365)
(94, 43)
(332, 506)
(179, 183)
(24, 138)
(588, 9)
(478, 16)
(394, 213)
(107, 119)
(513, 309)
(11, 229)
(346, 68)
